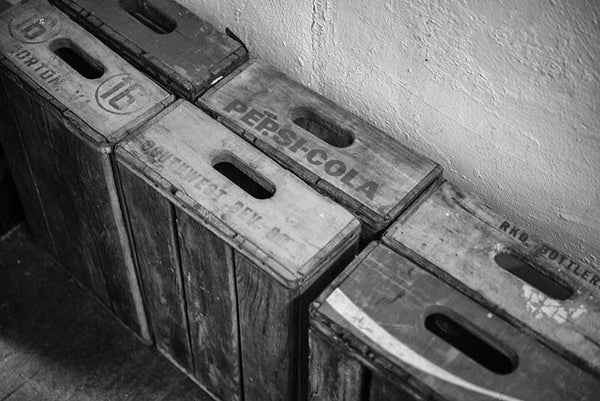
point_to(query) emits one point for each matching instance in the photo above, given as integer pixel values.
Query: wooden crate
(163, 39)
(10, 207)
(359, 166)
(63, 128)
(388, 330)
(545, 292)
(227, 273)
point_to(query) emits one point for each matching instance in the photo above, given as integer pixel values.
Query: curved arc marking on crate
(356, 317)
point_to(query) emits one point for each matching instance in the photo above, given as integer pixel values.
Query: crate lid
(409, 323)
(283, 225)
(371, 173)
(457, 237)
(164, 36)
(110, 97)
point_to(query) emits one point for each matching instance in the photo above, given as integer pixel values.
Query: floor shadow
(57, 342)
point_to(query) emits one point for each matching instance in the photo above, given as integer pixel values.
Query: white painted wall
(504, 94)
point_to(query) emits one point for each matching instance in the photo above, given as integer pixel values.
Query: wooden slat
(151, 220)
(381, 389)
(457, 238)
(207, 264)
(186, 60)
(333, 375)
(268, 327)
(291, 233)
(72, 222)
(11, 212)
(67, 125)
(17, 162)
(380, 310)
(375, 177)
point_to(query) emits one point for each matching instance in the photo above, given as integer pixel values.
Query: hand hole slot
(459, 333)
(77, 59)
(534, 277)
(150, 16)
(244, 177)
(322, 128)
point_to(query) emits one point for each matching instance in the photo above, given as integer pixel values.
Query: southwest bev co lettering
(43, 70)
(266, 124)
(163, 159)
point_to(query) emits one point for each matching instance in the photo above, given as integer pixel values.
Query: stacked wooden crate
(68, 100)
(244, 200)
(408, 335)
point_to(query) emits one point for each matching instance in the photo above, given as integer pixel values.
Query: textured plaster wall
(504, 94)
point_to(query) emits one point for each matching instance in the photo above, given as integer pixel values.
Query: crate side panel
(208, 274)
(12, 98)
(333, 376)
(152, 232)
(269, 334)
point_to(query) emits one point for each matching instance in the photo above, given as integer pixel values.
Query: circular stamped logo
(121, 94)
(32, 27)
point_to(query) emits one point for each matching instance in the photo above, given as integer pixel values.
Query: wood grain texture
(381, 389)
(456, 237)
(250, 266)
(119, 100)
(207, 265)
(382, 323)
(57, 342)
(11, 212)
(19, 166)
(292, 239)
(186, 60)
(373, 175)
(67, 125)
(333, 375)
(268, 328)
(152, 230)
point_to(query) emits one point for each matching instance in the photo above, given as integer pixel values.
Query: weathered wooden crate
(10, 208)
(536, 287)
(68, 99)
(163, 39)
(388, 330)
(231, 247)
(342, 156)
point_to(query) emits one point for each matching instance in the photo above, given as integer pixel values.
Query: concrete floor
(59, 343)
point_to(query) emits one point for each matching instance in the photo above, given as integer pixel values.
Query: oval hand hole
(533, 276)
(149, 16)
(322, 128)
(244, 177)
(495, 358)
(77, 59)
